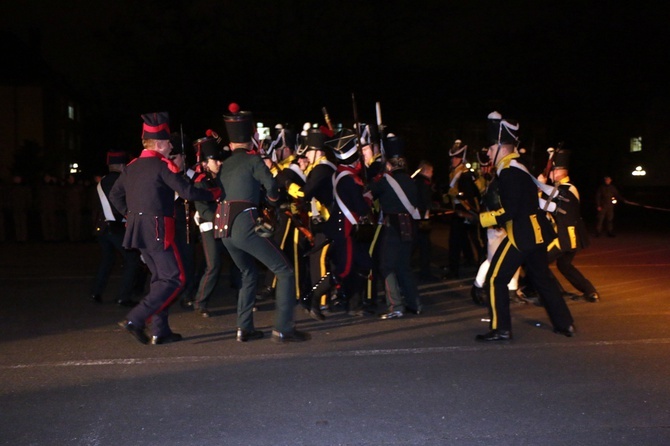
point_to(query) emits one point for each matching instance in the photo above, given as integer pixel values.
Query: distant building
(38, 113)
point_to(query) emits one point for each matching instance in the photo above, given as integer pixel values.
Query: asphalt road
(69, 375)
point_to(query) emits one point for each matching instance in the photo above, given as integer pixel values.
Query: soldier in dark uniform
(423, 180)
(145, 193)
(398, 198)
(527, 233)
(110, 230)
(186, 234)
(210, 156)
(289, 174)
(317, 193)
(293, 224)
(570, 228)
(350, 226)
(464, 194)
(242, 176)
(373, 165)
(494, 235)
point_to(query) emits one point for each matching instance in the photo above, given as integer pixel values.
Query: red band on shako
(155, 129)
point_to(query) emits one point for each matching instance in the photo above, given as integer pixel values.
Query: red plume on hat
(234, 108)
(156, 125)
(239, 124)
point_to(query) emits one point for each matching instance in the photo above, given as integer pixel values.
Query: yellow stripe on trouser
(322, 264)
(283, 243)
(492, 294)
(372, 249)
(296, 266)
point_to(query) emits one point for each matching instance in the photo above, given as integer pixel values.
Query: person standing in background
(606, 197)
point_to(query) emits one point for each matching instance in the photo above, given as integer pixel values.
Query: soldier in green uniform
(242, 176)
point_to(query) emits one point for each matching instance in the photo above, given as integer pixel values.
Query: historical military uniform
(318, 195)
(242, 176)
(292, 234)
(186, 235)
(398, 199)
(423, 242)
(464, 235)
(206, 212)
(145, 194)
(527, 233)
(571, 232)
(494, 235)
(110, 230)
(347, 226)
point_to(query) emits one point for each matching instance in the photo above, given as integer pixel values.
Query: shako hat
(561, 159)
(177, 144)
(239, 124)
(156, 126)
(394, 146)
(343, 146)
(208, 148)
(315, 139)
(502, 131)
(117, 157)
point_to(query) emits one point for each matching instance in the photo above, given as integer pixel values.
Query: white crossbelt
(413, 211)
(550, 191)
(345, 210)
(106, 207)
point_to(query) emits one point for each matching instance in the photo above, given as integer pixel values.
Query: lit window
(636, 144)
(70, 112)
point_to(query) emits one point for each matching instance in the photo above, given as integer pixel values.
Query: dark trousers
(425, 248)
(245, 246)
(318, 269)
(460, 243)
(213, 251)
(375, 252)
(351, 264)
(571, 273)
(504, 264)
(110, 245)
(606, 216)
(401, 290)
(167, 281)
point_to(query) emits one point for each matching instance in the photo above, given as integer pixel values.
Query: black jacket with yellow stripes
(526, 224)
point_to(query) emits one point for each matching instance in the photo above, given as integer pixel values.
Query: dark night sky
(560, 62)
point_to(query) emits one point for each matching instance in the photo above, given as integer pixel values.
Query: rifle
(357, 127)
(326, 117)
(380, 129)
(551, 151)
